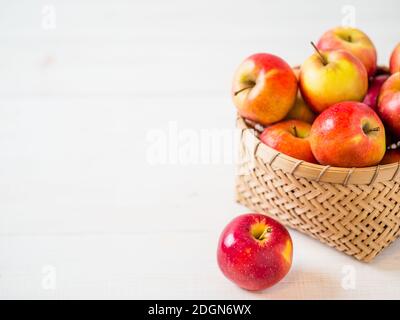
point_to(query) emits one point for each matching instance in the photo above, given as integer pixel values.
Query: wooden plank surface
(83, 211)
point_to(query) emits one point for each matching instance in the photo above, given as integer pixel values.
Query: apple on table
(348, 134)
(255, 251)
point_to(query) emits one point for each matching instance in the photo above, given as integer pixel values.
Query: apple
(391, 156)
(264, 88)
(389, 103)
(301, 110)
(255, 251)
(290, 137)
(395, 60)
(353, 40)
(374, 89)
(330, 77)
(348, 134)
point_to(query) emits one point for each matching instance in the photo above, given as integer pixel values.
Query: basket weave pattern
(359, 216)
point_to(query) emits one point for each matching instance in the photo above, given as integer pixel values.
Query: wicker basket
(355, 210)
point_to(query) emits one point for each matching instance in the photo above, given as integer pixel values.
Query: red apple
(374, 88)
(353, 40)
(391, 156)
(395, 60)
(348, 134)
(290, 137)
(264, 88)
(389, 103)
(330, 77)
(255, 251)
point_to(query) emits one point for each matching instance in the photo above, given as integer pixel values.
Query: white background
(83, 213)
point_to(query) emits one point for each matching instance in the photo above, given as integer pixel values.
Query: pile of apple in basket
(337, 109)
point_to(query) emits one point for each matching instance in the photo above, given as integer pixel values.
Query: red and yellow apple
(264, 88)
(301, 110)
(395, 60)
(389, 103)
(353, 40)
(255, 251)
(348, 134)
(374, 88)
(290, 137)
(330, 77)
(391, 156)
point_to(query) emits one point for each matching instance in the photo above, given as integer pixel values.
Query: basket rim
(311, 171)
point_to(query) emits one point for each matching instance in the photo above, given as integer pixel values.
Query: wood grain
(80, 201)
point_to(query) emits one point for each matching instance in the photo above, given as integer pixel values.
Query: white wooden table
(83, 85)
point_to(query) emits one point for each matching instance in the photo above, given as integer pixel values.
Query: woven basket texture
(355, 210)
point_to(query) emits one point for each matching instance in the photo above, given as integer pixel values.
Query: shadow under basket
(355, 210)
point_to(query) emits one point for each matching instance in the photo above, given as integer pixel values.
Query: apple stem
(239, 91)
(266, 230)
(373, 129)
(323, 59)
(295, 131)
